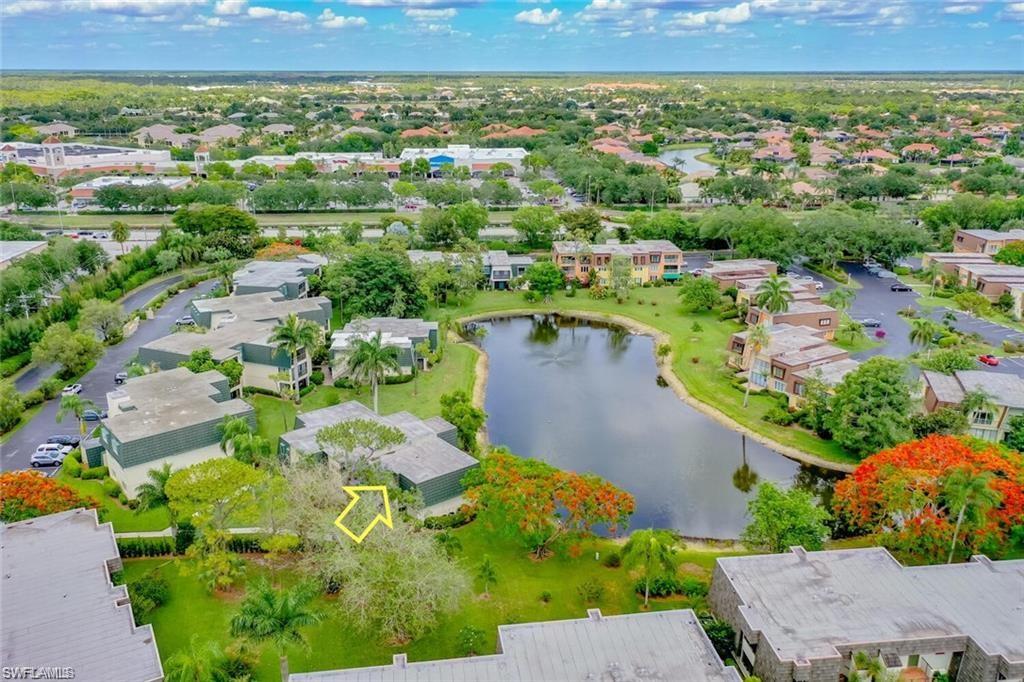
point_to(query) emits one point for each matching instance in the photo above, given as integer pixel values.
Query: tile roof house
(1004, 396)
(278, 129)
(220, 133)
(802, 615)
(663, 645)
(60, 608)
(164, 134)
(429, 460)
(57, 128)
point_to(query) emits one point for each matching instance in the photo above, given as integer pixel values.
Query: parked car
(806, 278)
(988, 359)
(819, 285)
(102, 235)
(185, 321)
(64, 439)
(886, 274)
(120, 377)
(94, 415)
(900, 286)
(870, 322)
(85, 234)
(72, 389)
(49, 454)
(52, 233)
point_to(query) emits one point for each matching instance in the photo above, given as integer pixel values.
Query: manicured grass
(699, 355)
(861, 343)
(125, 520)
(73, 222)
(421, 397)
(515, 598)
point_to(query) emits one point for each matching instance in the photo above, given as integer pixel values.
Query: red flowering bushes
(27, 494)
(904, 494)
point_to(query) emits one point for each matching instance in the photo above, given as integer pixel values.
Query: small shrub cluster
(780, 415)
(454, 520)
(245, 544)
(95, 473)
(590, 590)
(612, 560)
(133, 548)
(257, 390)
(148, 593)
(667, 585)
(1010, 346)
(316, 378)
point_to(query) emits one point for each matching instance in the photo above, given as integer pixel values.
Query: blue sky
(527, 35)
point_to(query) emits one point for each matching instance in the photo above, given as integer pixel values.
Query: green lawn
(699, 356)
(420, 397)
(515, 598)
(72, 222)
(124, 519)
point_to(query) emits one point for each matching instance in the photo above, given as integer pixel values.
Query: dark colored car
(120, 377)
(870, 322)
(64, 439)
(900, 286)
(94, 415)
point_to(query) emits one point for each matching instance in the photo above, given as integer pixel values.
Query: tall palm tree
(76, 405)
(758, 337)
(840, 298)
(120, 232)
(852, 330)
(970, 493)
(651, 550)
(225, 271)
(370, 360)
(199, 662)
(922, 333)
(931, 273)
(151, 493)
(774, 295)
(251, 449)
(276, 616)
(293, 335)
(229, 428)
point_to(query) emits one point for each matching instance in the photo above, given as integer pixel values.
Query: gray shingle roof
(59, 608)
(664, 645)
(805, 604)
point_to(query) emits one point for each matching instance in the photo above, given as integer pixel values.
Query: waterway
(688, 157)
(585, 396)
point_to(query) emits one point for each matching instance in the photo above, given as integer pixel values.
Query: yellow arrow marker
(353, 492)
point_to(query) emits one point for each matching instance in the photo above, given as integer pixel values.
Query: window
(981, 417)
(656, 259)
(585, 268)
(825, 322)
(737, 347)
(779, 386)
(778, 372)
(799, 389)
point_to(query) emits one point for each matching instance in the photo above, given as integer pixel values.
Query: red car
(990, 360)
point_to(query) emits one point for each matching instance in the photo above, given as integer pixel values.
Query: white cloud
(727, 15)
(959, 8)
(978, 24)
(538, 17)
(1013, 11)
(280, 15)
(319, 46)
(329, 19)
(230, 8)
(161, 43)
(139, 8)
(421, 14)
(414, 3)
(259, 41)
(201, 23)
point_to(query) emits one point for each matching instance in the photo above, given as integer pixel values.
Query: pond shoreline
(665, 371)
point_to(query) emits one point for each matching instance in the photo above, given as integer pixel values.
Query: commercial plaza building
(172, 416)
(803, 615)
(428, 460)
(663, 646)
(649, 260)
(60, 613)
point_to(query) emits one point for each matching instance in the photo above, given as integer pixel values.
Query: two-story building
(992, 280)
(261, 307)
(799, 289)
(727, 273)
(985, 241)
(649, 260)
(401, 333)
(805, 615)
(780, 365)
(818, 316)
(1004, 398)
(172, 416)
(498, 267)
(289, 277)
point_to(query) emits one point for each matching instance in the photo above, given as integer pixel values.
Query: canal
(686, 160)
(585, 396)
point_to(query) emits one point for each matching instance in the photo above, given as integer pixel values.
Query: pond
(688, 158)
(585, 396)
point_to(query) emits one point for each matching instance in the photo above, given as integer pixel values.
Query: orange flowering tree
(280, 250)
(27, 494)
(912, 496)
(540, 505)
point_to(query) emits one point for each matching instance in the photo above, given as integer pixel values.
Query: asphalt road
(36, 374)
(16, 452)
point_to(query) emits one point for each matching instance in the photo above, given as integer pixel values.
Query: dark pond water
(585, 397)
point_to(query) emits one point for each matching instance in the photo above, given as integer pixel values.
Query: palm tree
(852, 330)
(370, 360)
(922, 333)
(969, 492)
(225, 270)
(931, 272)
(449, 542)
(744, 478)
(119, 232)
(229, 428)
(757, 338)
(774, 295)
(199, 662)
(151, 493)
(840, 298)
(250, 448)
(76, 405)
(487, 573)
(293, 335)
(276, 616)
(652, 550)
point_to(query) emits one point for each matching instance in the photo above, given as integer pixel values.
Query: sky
(513, 35)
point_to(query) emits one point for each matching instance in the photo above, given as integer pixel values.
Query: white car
(73, 389)
(50, 454)
(819, 285)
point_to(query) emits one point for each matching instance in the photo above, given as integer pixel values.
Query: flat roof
(995, 235)
(59, 607)
(263, 306)
(663, 645)
(806, 604)
(11, 250)
(831, 373)
(167, 401)
(224, 342)
(268, 273)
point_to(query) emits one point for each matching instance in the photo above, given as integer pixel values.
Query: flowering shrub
(280, 251)
(27, 494)
(903, 494)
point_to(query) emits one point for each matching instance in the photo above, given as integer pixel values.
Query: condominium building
(499, 267)
(172, 416)
(817, 316)
(805, 615)
(726, 273)
(428, 461)
(992, 280)
(404, 334)
(1004, 398)
(649, 260)
(61, 616)
(799, 289)
(260, 307)
(657, 646)
(289, 277)
(984, 241)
